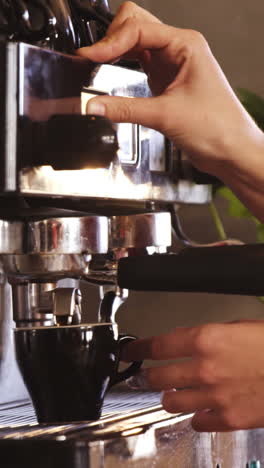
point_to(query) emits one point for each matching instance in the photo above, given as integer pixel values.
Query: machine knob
(97, 10)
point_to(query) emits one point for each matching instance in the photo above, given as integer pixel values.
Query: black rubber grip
(224, 270)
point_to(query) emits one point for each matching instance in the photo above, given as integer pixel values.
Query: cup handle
(132, 369)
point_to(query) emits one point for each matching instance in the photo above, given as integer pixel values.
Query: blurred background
(235, 33)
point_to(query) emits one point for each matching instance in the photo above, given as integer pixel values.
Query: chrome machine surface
(84, 199)
(144, 168)
(133, 431)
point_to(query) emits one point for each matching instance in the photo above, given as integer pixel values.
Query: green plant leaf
(235, 207)
(254, 104)
(260, 232)
(238, 210)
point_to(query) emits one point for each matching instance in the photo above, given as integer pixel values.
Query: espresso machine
(82, 199)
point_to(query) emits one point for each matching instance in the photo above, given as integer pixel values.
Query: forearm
(244, 173)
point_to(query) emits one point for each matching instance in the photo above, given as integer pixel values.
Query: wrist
(243, 160)
(244, 174)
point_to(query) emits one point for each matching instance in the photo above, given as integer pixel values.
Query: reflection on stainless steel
(65, 247)
(87, 234)
(10, 146)
(46, 267)
(101, 183)
(111, 184)
(11, 237)
(189, 192)
(43, 304)
(67, 306)
(143, 234)
(55, 248)
(141, 231)
(32, 303)
(134, 431)
(127, 133)
(147, 174)
(138, 176)
(112, 297)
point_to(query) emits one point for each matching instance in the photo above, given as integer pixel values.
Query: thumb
(143, 111)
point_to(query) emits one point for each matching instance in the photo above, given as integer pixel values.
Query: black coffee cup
(68, 370)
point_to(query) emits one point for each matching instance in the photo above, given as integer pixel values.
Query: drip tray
(120, 400)
(133, 425)
(123, 410)
(133, 431)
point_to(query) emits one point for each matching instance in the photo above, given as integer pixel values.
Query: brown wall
(236, 34)
(234, 30)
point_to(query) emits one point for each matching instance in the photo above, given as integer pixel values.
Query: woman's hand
(222, 379)
(193, 103)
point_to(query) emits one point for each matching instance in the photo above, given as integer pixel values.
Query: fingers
(186, 401)
(127, 11)
(170, 346)
(132, 34)
(179, 375)
(182, 342)
(144, 111)
(209, 414)
(208, 421)
(216, 421)
(223, 380)
(213, 411)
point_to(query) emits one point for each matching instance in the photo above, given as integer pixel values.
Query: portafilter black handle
(237, 269)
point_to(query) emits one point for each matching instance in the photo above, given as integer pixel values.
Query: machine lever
(237, 269)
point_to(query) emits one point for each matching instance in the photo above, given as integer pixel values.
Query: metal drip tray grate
(18, 413)
(18, 419)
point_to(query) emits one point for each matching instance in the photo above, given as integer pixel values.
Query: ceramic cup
(68, 370)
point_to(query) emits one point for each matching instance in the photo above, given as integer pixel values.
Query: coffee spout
(67, 306)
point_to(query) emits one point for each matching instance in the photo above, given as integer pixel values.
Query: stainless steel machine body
(63, 214)
(133, 431)
(79, 195)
